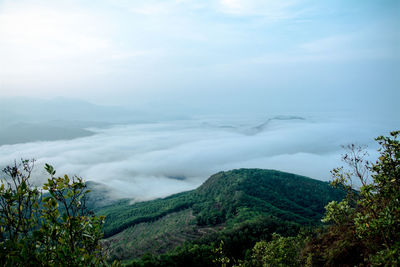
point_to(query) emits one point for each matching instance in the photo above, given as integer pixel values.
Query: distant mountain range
(32, 119)
(31, 132)
(222, 206)
(253, 129)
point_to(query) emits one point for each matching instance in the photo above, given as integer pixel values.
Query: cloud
(273, 10)
(50, 47)
(49, 34)
(144, 161)
(47, 45)
(350, 46)
(123, 51)
(154, 8)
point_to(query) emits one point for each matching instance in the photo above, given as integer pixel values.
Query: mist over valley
(157, 158)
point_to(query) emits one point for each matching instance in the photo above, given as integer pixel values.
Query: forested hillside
(240, 206)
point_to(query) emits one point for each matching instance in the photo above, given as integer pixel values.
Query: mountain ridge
(222, 203)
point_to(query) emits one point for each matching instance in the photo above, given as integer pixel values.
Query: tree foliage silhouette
(47, 226)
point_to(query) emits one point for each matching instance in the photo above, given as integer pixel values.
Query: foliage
(337, 212)
(194, 255)
(280, 251)
(49, 226)
(240, 239)
(221, 259)
(336, 245)
(228, 247)
(123, 214)
(365, 227)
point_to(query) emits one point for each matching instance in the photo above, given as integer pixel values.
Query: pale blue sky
(219, 56)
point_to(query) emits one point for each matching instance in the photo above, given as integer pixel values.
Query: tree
(280, 251)
(48, 226)
(365, 226)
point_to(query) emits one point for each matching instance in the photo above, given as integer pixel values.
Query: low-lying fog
(145, 161)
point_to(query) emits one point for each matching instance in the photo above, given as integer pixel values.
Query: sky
(221, 56)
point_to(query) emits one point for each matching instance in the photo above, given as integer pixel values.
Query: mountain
(252, 201)
(263, 126)
(23, 109)
(17, 133)
(31, 119)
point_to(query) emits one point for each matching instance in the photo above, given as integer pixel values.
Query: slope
(226, 201)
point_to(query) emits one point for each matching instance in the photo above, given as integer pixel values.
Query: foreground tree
(280, 251)
(49, 226)
(365, 227)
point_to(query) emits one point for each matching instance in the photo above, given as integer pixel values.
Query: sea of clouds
(150, 160)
